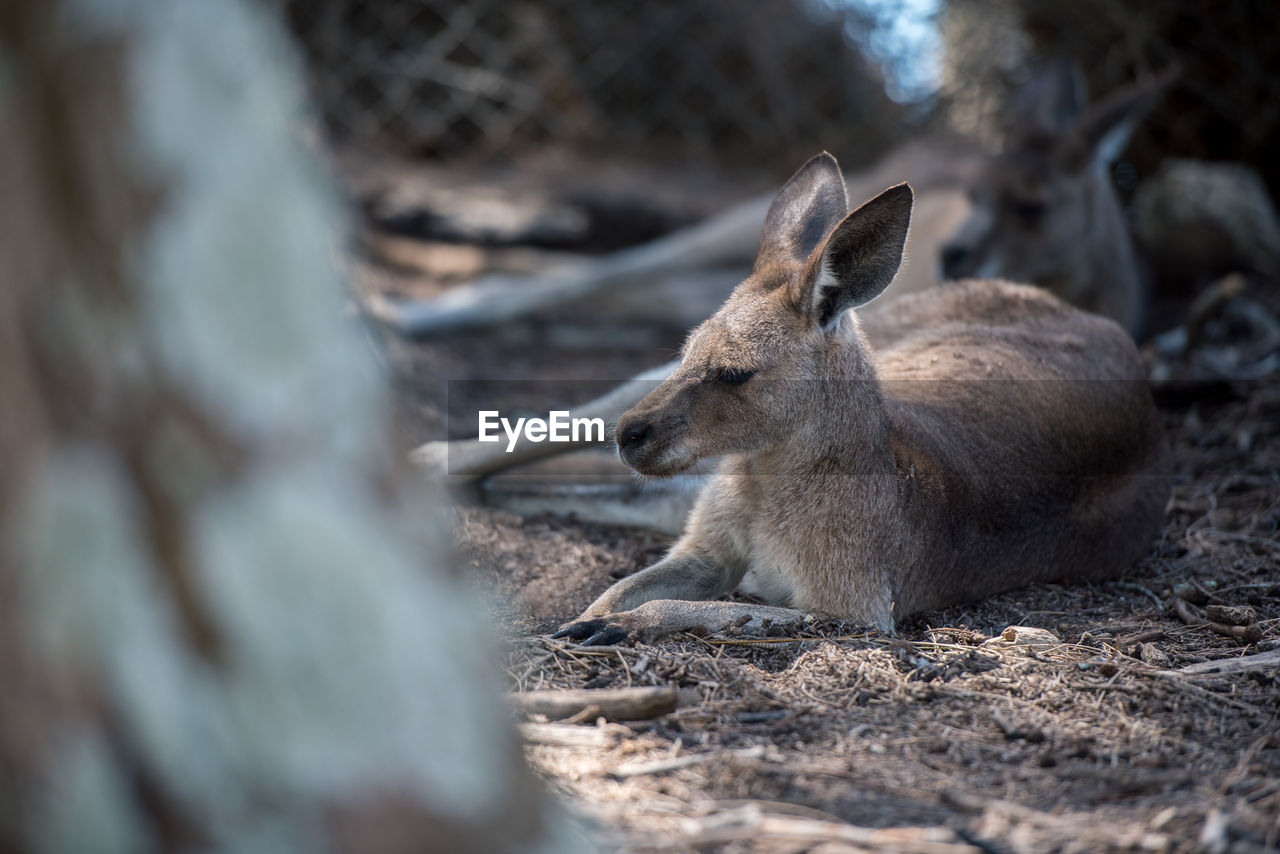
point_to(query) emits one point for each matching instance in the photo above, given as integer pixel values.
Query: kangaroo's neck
(1109, 233)
(845, 429)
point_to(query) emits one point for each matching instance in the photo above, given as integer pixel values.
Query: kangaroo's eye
(734, 376)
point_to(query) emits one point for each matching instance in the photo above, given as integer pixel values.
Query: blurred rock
(1199, 220)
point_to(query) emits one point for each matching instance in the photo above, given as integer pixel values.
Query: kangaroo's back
(1035, 420)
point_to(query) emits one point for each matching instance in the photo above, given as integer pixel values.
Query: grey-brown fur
(1045, 211)
(996, 437)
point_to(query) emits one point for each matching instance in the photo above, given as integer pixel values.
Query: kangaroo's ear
(860, 258)
(1102, 133)
(804, 211)
(1052, 101)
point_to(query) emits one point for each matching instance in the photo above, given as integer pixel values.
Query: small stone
(1024, 636)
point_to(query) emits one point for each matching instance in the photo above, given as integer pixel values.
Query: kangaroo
(1004, 437)
(1045, 211)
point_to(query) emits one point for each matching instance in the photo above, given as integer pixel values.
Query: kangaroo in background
(1045, 211)
(1003, 438)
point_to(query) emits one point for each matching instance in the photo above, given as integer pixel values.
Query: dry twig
(615, 704)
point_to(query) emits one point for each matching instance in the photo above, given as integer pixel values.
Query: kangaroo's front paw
(602, 631)
(642, 624)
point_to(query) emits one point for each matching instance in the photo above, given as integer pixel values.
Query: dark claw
(580, 630)
(593, 632)
(607, 636)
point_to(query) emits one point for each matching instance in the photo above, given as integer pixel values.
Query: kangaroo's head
(753, 372)
(1044, 211)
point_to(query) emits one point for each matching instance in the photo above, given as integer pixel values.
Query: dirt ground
(939, 739)
(1091, 744)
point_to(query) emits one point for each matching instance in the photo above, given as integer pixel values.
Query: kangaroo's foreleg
(652, 602)
(658, 618)
(686, 573)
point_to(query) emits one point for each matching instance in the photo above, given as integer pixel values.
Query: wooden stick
(1248, 634)
(615, 704)
(1141, 637)
(672, 763)
(1193, 616)
(569, 735)
(751, 823)
(587, 715)
(728, 237)
(1188, 613)
(1194, 593)
(1245, 663)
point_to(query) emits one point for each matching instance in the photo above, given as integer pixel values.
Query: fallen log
(615, 704)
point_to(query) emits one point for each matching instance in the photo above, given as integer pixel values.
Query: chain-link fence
(766, 81)
(450, 78)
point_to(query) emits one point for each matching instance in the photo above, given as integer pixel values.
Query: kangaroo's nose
(953, 260)
(632, 436)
